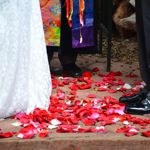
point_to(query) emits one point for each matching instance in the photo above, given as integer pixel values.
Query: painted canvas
(83, 35)
(51, 15)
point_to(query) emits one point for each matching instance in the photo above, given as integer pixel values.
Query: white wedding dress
(25, 81)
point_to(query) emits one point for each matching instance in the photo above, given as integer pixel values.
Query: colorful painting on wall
(83, 34)
(51, 15)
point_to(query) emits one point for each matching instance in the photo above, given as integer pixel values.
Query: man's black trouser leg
(67, 55)
(143, 30)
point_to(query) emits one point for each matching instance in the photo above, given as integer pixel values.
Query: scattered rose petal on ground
(55, 122)
(67, 110)
(96, 69)
(7, 134)
(146, 133)
(127, 86)
(131, 75)
(44, 133)
(16, 124)
(87, 74)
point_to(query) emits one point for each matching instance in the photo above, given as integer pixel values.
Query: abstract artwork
(51, 15)
(80, 15)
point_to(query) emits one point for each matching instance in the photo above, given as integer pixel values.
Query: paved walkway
(83, 141)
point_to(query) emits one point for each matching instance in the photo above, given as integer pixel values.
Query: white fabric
(25, 81)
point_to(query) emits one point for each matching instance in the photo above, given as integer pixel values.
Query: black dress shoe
(140, 108)
(135, 98)
(72, 70)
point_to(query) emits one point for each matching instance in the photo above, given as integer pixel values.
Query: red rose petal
(84, 86)
(87, 122)
(91, 96)
(7, 134)
(87, 75)
(131, 75)
(44, 133)
(146, 134)
(96, 69)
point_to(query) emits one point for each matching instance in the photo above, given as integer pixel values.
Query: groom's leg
(143, 30)
(67, 54)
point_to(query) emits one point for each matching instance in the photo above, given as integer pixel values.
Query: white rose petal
(20, 135)
(52, 127)
(16, 124)
(69, 103)
(55, 122)
(133, 130)
(125, 122)
(127, 86)
(116, 119)
(100, 128)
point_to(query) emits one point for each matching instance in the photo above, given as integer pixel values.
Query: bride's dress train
(25, 81)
